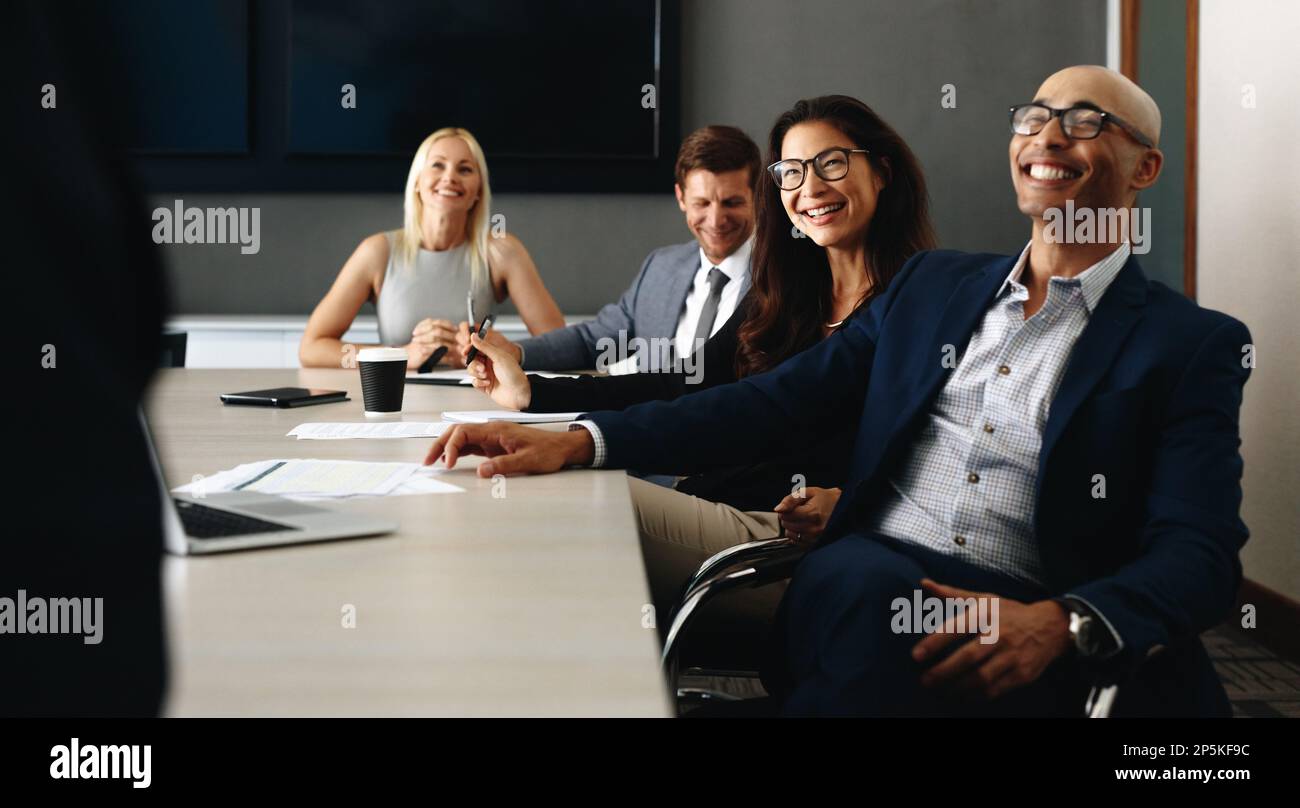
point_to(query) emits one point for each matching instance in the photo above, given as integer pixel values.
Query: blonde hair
(476, 225)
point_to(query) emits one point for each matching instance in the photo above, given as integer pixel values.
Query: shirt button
(961, 541)
(972, 477)
(1004, 370)
(988, 428)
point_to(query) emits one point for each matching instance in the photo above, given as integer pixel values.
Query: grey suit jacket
(649, 308)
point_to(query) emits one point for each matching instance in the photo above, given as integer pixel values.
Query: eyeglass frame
(803, 166)
(1132, 130)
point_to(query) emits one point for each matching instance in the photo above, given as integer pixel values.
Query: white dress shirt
(734, 266)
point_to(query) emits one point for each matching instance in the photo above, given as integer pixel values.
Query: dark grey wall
(743, 62)
(1162, 72)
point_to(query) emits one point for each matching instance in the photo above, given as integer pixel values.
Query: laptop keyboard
(202, 522)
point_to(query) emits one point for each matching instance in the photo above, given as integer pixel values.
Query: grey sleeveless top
(436, 286)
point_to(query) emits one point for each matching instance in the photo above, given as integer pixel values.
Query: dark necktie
(717, 280)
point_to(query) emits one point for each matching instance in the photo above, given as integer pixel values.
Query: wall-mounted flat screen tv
(555, 78)
(335, 95)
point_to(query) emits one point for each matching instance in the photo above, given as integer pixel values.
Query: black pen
(482, 332)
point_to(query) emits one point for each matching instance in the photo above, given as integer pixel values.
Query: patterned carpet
(1260, 683)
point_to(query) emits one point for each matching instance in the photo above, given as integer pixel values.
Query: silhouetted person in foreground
(89, 308)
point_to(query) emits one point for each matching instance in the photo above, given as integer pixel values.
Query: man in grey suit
(684, 292)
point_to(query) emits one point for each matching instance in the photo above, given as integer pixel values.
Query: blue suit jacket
(649, 308)
(1149, 399)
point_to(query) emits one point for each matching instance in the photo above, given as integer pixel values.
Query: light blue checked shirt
(967, 486)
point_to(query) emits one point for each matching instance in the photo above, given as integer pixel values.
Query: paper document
(323, 479)
(376, 430)
(483, 416)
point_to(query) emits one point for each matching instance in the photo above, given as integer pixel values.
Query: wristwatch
(1086, 631)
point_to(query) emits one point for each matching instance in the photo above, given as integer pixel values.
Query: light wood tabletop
(523, 596)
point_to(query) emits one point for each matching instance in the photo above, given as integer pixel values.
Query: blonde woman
(425, 277)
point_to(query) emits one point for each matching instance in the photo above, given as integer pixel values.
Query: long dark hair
(792, 294)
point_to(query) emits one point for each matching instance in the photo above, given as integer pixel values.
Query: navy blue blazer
(1150, 399)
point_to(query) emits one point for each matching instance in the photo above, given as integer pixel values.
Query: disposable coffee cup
(383, 379)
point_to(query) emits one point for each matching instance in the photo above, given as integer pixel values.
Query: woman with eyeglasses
(844, 206)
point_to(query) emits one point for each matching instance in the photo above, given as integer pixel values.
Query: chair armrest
(1100, 700)
(1104, 691)
(775, 563)
(736, 554)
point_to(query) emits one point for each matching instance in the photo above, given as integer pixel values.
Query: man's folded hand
(1026, 639)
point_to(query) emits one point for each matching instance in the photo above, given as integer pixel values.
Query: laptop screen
(173, 531)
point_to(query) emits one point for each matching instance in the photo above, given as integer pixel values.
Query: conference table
(523, 596)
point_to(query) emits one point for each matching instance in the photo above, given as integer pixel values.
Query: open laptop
(242, 520)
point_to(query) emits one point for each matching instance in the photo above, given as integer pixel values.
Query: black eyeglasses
(1080, 123)
(831, 164)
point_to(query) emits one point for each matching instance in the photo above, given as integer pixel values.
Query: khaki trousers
(678, 533)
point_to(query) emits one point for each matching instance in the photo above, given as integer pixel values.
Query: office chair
(762, 562)
(173, 349)
(745, 565)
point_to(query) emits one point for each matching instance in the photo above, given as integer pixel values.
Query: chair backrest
(173, 350)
